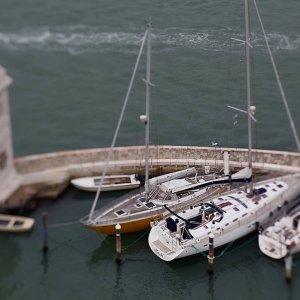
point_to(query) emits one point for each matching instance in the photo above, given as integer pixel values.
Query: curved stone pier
(47, 175)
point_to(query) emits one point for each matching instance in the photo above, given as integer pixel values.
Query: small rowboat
(110, 183)
(11, 223)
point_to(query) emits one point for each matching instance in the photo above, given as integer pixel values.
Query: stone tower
(9, 180)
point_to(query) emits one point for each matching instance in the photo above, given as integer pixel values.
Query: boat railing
(116, 202)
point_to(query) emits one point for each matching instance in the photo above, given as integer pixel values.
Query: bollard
(210, 255)
(288, 266)
(118, 243)
(45, 228)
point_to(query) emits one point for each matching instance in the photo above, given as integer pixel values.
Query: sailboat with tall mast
(179, 189)
(231, 216)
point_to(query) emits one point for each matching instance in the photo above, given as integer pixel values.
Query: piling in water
(118, 243)
(210, 256)
(45, 230)
(288, 266)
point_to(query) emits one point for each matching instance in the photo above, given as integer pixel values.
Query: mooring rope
(227, 247)
(235, 248)
(134, 242)
(225, 251)
(62, 224)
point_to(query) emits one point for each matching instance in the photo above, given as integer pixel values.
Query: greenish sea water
(71, 63)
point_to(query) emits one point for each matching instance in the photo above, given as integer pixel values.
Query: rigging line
(62, 224)
(118, 127)
(296, 137)
(135, 241)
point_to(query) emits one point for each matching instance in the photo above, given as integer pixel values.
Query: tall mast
(248, 89)
(117, 130)
(148, 94)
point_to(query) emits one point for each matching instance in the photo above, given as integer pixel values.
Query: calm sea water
(71, 63)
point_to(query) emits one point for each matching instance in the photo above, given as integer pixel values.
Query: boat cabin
(199, 217)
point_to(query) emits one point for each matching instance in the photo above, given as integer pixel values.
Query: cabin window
(236, 209)
(120, 212)
(224, 204)
(235, 220)
(142, 199)
(274, 190)
(244, 215)
(267, 185)
(150, 205)
(138, 205)
(280, 186)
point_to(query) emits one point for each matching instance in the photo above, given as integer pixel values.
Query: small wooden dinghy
(11, 223)
(110, 183)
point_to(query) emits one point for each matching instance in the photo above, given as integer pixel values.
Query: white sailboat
(179, 189)
(110, 183)
(231, 216)
(282, 236)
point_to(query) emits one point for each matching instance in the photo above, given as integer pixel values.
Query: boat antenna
(296, 136)
(117, 128)
(248, 90)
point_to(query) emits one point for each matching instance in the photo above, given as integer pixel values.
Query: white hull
(281, 237)
(238, 220)
(111, 183)
(11, 223)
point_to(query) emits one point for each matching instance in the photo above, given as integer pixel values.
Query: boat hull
(111, 183)
(126, 227)
(15, 224)
(169, 254)
(168, 244)
(107, 188)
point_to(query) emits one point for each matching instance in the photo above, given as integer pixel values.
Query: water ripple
(80, 39)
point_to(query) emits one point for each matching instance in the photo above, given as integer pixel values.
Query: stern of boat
(165, 247)
(271, 247)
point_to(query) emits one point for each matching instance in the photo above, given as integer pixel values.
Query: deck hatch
(150, 205)
(120, 212)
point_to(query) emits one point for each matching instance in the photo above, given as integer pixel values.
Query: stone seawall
(47, 175)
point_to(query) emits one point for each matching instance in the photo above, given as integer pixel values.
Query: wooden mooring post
(288, 266)
(45, 230)
(210, 255)
(118, 244)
